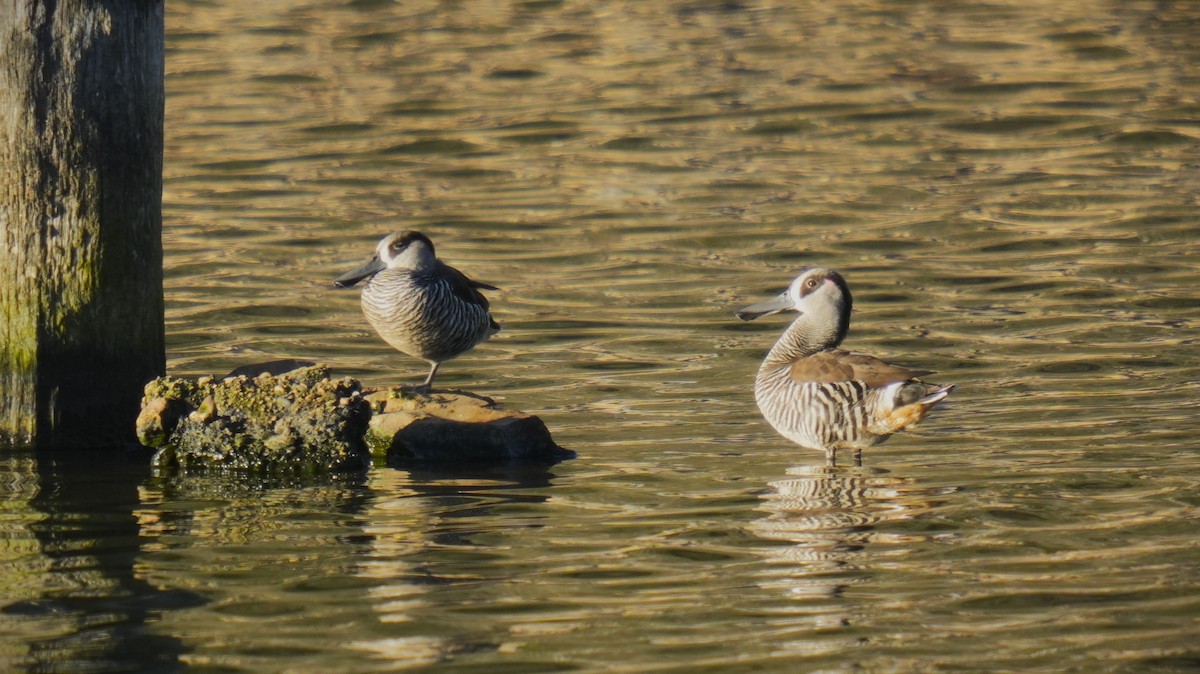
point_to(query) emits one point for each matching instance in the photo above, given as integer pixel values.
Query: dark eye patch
(810, 285)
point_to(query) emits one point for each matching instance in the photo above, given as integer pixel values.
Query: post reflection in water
(72, 595)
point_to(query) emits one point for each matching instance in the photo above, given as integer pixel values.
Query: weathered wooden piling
(81, 140)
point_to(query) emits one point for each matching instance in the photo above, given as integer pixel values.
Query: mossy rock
(299, 422)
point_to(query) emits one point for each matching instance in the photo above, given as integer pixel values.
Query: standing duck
(823, 397)
(420, 305)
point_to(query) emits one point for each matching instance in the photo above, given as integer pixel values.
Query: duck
(826, 398)
(420, 305)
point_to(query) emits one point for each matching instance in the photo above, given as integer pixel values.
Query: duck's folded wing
(836, 365)
(463, 287)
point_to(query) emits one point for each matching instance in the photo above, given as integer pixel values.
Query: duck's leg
(426, 387)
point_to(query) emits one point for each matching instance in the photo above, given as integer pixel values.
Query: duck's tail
(912, 401)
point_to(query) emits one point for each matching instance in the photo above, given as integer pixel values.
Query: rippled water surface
(1010, 188)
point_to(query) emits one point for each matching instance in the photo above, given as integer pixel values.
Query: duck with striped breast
(420, 305)
(826, 398)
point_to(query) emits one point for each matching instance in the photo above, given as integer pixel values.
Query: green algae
(301, 422)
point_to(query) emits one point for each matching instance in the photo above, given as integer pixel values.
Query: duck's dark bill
(371, 268)
(771, 306)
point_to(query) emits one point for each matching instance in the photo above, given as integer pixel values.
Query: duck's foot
(831, 458)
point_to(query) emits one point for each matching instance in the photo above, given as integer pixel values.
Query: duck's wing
(463, 287)
(836, 365)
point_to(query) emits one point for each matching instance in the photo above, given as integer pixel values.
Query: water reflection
(343, 571)
(274, 560)
(73, 598)
(829, 521)
(436, 531)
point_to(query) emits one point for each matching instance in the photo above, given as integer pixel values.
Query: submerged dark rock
(273, 367)
(300, 422)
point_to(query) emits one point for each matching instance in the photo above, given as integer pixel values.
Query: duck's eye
(811, 283)
(397, 247)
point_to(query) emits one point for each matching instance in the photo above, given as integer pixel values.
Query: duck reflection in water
(822, 397)
(837, 526)
(829, 515)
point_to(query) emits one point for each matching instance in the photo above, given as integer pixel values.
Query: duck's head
(401, 250)
(819, 294)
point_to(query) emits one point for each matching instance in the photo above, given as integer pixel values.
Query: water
(1010, 189)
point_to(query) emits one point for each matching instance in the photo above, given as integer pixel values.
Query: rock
(456, 427)
(157, 420)
(301, 422)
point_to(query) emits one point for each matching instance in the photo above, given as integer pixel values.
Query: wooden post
(81, 140)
